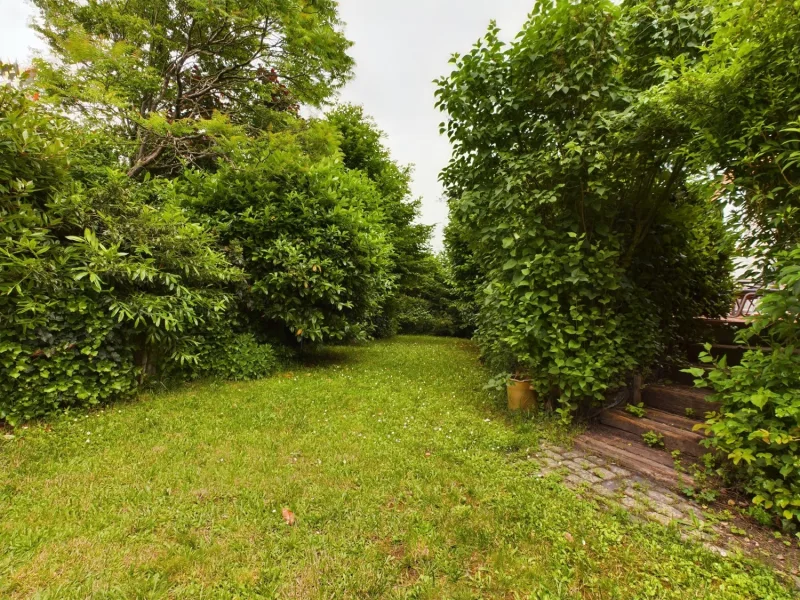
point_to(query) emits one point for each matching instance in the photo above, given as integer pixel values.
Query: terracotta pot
(521, 395)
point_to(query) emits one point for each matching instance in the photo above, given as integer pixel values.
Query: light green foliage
(168, 77)
(405, 478)
(741, 104)
(97, 284)
(589, 244)
(653, 439)
(637, 410)
(307, 231)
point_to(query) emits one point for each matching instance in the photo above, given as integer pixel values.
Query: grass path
(406, 480)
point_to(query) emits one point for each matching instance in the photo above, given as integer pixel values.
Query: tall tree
(167, 75)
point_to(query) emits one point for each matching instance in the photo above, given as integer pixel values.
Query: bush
(235, 357)
(74, 356)
(100, 285)
(307, 232)
(577, 225)
(362, 148)
(758, 424)
(740, 102)
(429, 304)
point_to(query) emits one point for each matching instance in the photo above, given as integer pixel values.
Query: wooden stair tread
(683, 390)
(668, 418)
(676, 399)
(636, 458)
(675, 438)
(630, 442)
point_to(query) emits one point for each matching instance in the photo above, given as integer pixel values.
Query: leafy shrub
(653, 439)
(98, 285)
(412, 262)
(587, 243)
(637, 410)
(58, 346)
(740, 102)
(418, 316)
(73, 356)
(429, 303)
(235, 357)
(307, 232)
(758, 424)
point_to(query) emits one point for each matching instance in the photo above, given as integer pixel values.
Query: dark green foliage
(757, 426)
(573, 215)
(230, 356)
(306, 231)
(412, 260)
(429, 303)
(758, 423)
(684, 266)
(75, 356)
(58, 348)
(187, 110)
(98, 286)
(741, 103)
(466, 275)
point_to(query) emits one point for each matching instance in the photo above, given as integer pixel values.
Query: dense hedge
(587, 241)
(100, 286)
(307, 232)
(110, 282)
(593, 158)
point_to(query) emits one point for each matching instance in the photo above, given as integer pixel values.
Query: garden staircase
(618, 434)
(671, 412)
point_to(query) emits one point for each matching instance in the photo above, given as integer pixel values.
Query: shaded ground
(405, 478)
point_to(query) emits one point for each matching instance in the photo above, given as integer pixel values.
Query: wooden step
(676, 399)
(679, 421)
(636, 458)
(631, 442)
(720, 331)
(688, 442)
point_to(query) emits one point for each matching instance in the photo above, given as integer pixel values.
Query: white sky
(401, 46)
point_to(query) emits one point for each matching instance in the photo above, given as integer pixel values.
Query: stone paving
(642, 497)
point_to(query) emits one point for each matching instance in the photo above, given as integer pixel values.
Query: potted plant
(521, 395)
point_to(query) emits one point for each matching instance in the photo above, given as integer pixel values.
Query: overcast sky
(401, 46)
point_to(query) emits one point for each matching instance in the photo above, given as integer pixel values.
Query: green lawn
(406, 479)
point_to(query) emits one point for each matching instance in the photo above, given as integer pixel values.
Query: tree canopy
(166, 76)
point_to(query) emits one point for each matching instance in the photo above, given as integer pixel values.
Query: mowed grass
(406, 479)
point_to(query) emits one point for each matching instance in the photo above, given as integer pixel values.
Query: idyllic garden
(233, 366)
